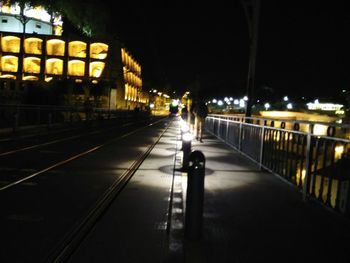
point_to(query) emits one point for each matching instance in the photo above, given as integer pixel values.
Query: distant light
(175, 103)
(340, 112)
(324, 106)
(344, 90)
(214, 101)
(320, 129)
(289, 106)
(209, 102)
(220, 103)
(258, 101)
(154, 91)
(231, 99)
(151, 105)
(285, 98)
(316, 101)
(228, 102)
(245, 98)
(226, 99)
(241, 103)
(267, 106)
(339, 149)
(236, 102)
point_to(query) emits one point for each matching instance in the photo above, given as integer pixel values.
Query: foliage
(91, 17)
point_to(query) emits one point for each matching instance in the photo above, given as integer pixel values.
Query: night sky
(303, 46)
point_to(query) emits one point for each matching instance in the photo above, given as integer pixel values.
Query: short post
(186, 149)
(195, 196)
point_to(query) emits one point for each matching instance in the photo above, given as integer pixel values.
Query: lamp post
(252, 12)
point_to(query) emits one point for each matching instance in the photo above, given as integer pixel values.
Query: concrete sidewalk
(253, 216)
(249, 215)
(135, 226)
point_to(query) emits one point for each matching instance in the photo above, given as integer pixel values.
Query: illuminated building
(84, 63)
(37, 20)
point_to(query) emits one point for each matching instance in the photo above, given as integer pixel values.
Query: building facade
(103, 72)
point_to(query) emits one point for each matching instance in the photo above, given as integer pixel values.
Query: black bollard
(186, 149)
(195, 196)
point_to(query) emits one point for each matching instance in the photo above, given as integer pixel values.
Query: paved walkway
(249, 215)
(253, 216)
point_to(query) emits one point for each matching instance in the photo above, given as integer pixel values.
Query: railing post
(262, 147)
(240, 136)
(226, 130)
(195, 196)
(308, 162)
(219, 128)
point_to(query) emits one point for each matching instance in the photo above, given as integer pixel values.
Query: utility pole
(252, 12)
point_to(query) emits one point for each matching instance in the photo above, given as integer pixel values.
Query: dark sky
(302, 47)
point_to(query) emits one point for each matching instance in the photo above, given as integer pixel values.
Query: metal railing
(14, 117)
(319, 165)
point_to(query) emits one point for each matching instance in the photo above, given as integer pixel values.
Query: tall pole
(252, 12)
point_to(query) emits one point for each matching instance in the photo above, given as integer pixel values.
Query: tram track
(61, 140)
(37, 202)
(74, 238)
(67, 160)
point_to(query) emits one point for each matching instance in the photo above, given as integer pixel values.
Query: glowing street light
(267, 106)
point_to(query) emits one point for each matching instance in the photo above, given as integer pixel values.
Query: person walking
(200, 112)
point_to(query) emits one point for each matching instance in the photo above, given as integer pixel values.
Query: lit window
(33, 45)
(8, 76)
(76, 68)
(31, 65)
(55, 47)
(9, 63)
(54, 66)
(31, 78)
(98, 50)
(77, 49)
(96, 69)
(10, 44)
(57, 30)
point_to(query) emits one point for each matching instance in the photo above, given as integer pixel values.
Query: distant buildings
(81, 68)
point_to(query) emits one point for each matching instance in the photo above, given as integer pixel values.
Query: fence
(317, 164)
(14, 117)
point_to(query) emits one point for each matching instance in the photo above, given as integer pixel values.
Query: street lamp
(252, 12)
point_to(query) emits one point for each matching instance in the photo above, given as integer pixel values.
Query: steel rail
(59, 140)
(74, 157)
(74, 238)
